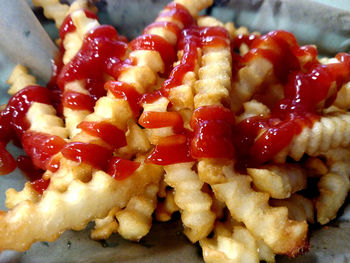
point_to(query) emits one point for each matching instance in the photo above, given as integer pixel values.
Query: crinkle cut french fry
(136, 219)
(133, 222)
(166, 207)
(82, 202)
(299, 207)
(72, 44)
(28, 193)
(214, 82)
(253, 108)
(270, 224)
(194, 205)
(343, 97)
(141, 76)
(195, 6)
(315, 167)
(227, 249)
(333, 186)
(249, 79)
(19, 79)
(137, 141)
(333, 190)
(279, 181)
(48, 123)
(213, 171)
(74, 40)
(53, 9)
(106, 226)
(342, 100)
(239, 246)
(329, 132)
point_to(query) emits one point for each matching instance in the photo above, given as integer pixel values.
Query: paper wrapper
(327, 25)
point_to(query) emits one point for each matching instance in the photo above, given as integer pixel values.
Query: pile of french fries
(236, 216)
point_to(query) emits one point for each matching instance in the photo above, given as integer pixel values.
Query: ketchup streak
(307, 85)
(68, 25)
(101, 50)
(178, 148)
(121, 169)
(13, 121)
(110, 49)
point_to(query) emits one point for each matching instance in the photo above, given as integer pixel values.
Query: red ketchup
(212, 132)
(282, 50)
(7, 162)
(176, 148)
(121, 169)
(189, 41)
(41, 147)
(260, 139)
(68, 25)
(18, 105)
(243, 39)
(33, 174)
(122, 90)
(25, 164)
(156, 43)
(179, 13)
(106, 131)
(171, 149)
(101, 50)
(40, 185)
(95, 155)
(13, 121)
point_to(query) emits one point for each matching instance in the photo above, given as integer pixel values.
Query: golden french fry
(333, 190)
(53, 9)
(19, 79)
(56, 212)
(234, 244)
(136, 219)
(167, 207)
(106, 226)
(299, 207)
(195, 205)
(329, 132)
(279, 181)
(272, 225)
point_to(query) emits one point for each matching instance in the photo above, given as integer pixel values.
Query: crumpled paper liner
(311, 22)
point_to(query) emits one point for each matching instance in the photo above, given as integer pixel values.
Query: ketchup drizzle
(41, 147)
(95, 155)
(212, 129)
(306, 90)
(176, 148)
(156, 43)
(13, 122)
(7, 162)
(101, 50)
(127, 92)
(121, 169)
(106, 131)
(179, 13)
(68, 25)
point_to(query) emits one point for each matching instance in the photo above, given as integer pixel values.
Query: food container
(321, 22)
